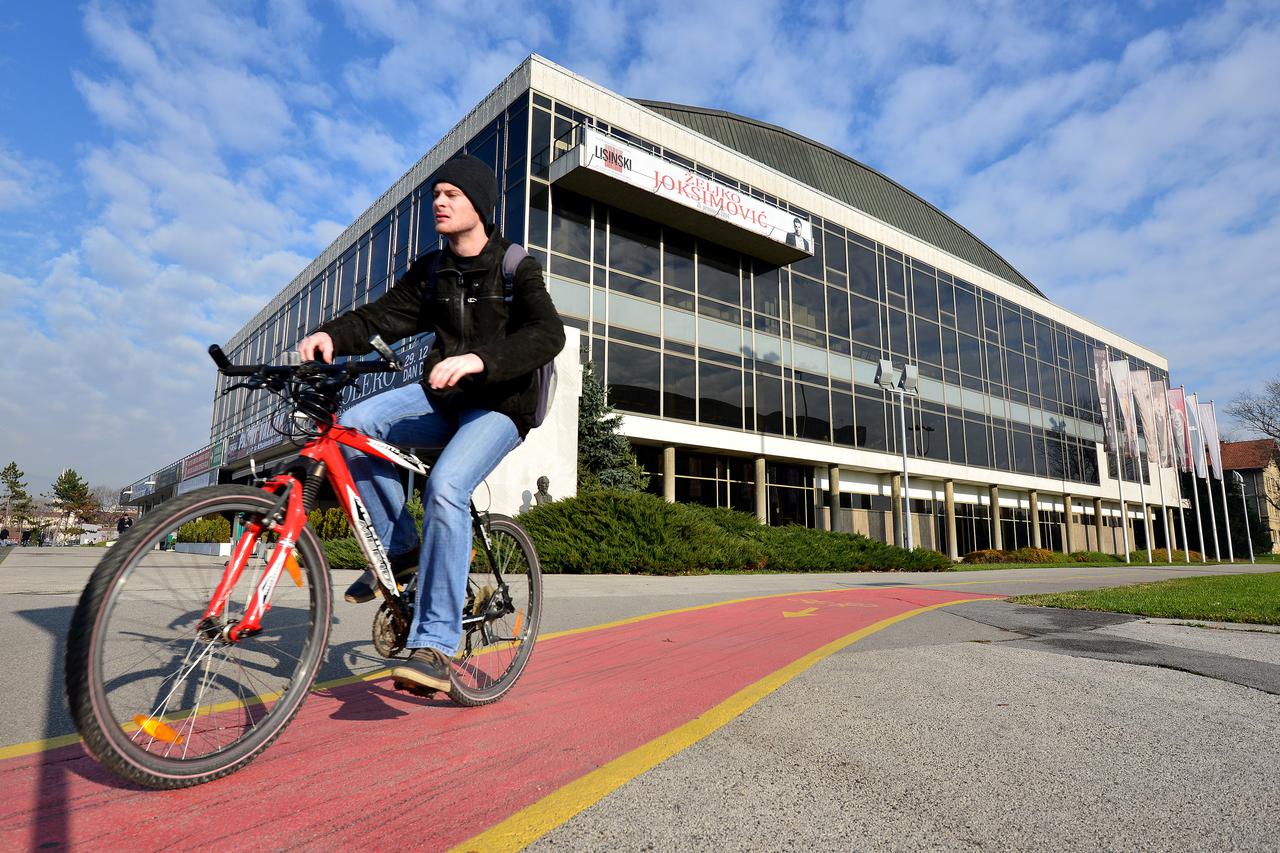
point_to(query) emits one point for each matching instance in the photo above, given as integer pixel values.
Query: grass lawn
(1227, 598)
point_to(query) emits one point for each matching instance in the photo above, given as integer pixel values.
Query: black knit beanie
(475, 179)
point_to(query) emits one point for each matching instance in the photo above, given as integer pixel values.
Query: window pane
(633, 245)
(808, 303)
(570, 224)
(719, 395)
(769, 405)
(677, 261)
(718, 274)
(634, 378)
(870, 422)
(813, 413)
(679, 391)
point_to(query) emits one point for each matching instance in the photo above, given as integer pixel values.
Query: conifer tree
(19, 509)
(605, 458)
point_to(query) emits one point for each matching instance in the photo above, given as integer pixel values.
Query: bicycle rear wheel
(496, 648)
(157, 694)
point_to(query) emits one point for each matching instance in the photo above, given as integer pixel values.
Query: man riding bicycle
(476, 400)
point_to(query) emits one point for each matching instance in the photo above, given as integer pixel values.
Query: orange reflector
(519, 618)
(157, 729)
(295, 571)
(473, 554)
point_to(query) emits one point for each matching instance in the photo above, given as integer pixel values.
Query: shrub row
(1019, 555)
(343, 553)
(213, 529)
(1160, 555)
(609, 531)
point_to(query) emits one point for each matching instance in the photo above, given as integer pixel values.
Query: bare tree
(1260, 414)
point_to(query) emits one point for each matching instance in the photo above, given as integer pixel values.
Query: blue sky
(166, 167)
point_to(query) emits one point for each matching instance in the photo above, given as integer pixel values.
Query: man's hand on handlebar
(317, 346)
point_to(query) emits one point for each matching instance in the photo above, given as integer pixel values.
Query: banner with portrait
(1160, 401)
(1102, 379)
(1209, 423)
(1178, 426)
(1197, 437)
(1140, 381)
(1121, 380)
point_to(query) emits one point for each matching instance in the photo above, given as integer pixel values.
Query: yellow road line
(531, 823)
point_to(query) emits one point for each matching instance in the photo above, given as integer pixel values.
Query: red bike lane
(363, 762)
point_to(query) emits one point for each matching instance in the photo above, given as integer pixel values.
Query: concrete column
(949, 503)
(833, 496)
(1125, 528)
(1097, 521)
(669, 474)
(996, 536)
(1171, 530)
(895, 486)
(762, 492)
(1068, 512)
(1033, 498)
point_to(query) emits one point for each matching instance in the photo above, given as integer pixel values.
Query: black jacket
(468, 314)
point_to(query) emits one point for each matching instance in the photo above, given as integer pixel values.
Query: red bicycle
(183, 663)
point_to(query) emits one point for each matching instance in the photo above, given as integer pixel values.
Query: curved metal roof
(843, 178)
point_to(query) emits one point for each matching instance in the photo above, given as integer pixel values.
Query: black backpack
(544, 376)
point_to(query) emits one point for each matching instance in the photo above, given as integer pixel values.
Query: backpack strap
(514, 255)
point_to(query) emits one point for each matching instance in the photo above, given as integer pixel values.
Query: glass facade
(686, 330)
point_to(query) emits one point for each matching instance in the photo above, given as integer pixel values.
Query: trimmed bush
(634, 532)
(343, 553)
(206, 530)
(1160, 555)
(1034, 555)
(1093, 557)
(612, 531)
(329, 523)
(986, 555)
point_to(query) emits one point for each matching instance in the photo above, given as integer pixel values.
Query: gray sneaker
(425, 669)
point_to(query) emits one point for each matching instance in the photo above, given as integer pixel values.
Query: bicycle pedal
(414, 689)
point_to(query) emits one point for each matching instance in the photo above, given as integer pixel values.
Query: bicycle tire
(135, 649)
(494, 653)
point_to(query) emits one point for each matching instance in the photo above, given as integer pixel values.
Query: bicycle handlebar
(350, 368)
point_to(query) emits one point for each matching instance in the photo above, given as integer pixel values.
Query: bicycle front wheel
(500, 627)
(157, 693)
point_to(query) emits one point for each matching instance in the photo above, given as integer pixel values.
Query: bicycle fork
(289, 510)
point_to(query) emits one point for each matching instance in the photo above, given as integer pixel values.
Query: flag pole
(1222, 484)
(1177, 482)
(1164, 509)
(1213, 513)
(1119, 474)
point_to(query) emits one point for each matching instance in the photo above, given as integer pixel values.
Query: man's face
(795, 226)
(453, 211)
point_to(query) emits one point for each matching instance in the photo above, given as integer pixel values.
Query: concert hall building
(737, 287)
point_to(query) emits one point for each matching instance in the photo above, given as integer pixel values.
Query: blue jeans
(474, 442)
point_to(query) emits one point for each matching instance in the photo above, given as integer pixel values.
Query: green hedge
(212, 529)
(343, 553)
(610, 531)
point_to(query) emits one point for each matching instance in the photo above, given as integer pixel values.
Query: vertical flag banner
(1197, 437)
(1124, 394)
(1209, 422)
(1102, 377)
(1181, 436)
(1140, 381)
(1160, 400)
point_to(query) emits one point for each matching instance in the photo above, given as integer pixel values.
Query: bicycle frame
(327, 460)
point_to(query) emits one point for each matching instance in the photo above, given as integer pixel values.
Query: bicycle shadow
(375, 699)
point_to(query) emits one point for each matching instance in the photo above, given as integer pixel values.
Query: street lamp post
(1244, 504)
(902, 382)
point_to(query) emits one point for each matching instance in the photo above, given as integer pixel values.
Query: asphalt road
(981, 725)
